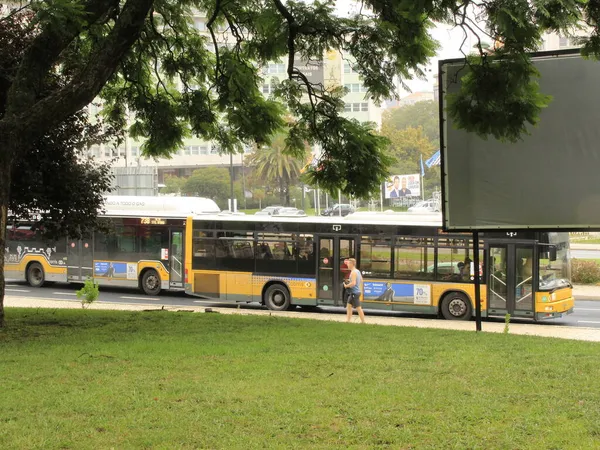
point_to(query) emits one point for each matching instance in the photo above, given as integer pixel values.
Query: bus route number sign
(152, 221)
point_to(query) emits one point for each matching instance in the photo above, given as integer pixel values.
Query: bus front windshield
(555, 270)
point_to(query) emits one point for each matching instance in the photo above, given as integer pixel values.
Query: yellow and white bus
(408, 263)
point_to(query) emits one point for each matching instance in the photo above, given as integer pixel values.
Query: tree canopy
(210, 182)
(421, 114)
(135, 53)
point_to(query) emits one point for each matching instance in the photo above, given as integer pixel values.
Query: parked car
(286, 210)
(291, 212)
(269, 211)
(339, 209)
(445, 268)
(424, 206)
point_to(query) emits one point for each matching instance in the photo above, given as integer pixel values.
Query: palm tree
(275, 167)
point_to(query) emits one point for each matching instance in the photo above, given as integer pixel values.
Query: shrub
(88, 293)
(586, 272)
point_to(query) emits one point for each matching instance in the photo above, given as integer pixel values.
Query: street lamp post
(231, 179)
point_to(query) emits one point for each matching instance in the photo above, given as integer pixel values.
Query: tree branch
(44, 52)
(209, 25)
(292, 31)
(102, 64)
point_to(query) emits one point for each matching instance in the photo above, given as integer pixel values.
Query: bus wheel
(277, 297)
(151, 283)
(456, 306)
(35, 275)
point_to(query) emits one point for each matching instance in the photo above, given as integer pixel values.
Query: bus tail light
(186, 276)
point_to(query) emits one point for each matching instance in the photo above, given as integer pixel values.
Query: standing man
(353, 285)
(405, 190)
(395, 193)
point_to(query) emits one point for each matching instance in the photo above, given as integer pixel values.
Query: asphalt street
(587, 312)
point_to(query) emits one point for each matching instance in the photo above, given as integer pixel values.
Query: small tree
(89, 293)
(259, 194)
(277, 168)
(210, 182)
(173, 185)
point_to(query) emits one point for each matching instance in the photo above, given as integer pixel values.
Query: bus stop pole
(477, 281)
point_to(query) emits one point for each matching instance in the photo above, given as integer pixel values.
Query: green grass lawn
(73, 379)
(585, 241)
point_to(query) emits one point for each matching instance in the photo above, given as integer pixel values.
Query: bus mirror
(552, 253)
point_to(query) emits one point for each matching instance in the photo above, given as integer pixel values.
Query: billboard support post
(477, 280)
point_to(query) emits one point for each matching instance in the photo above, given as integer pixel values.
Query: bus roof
(362, 218)
(116, 205)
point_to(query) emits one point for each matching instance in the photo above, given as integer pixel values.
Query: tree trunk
(5, 179)
(281, 192)
(287, 193)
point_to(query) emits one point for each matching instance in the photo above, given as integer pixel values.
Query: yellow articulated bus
(143, 246)
(408, 264)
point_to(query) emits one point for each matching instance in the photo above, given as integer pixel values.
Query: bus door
(510, 278)
(332, 269)
(176, 258)
(79, 260)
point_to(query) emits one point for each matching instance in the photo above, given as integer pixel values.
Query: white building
(197, 153)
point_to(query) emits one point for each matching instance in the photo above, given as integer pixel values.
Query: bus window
(376, 256)
(454, 259)
(204, 250)
(151, 240)
(306, 255)
(235, 251)
(275, 253)
(415, 262)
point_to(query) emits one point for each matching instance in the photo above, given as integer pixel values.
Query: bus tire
(277, 297)
(151, 282)
(456, 306)
(35, 275)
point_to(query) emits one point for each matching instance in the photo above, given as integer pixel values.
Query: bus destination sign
(152, 221)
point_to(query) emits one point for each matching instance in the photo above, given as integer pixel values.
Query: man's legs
(348, 312)
(361, 314)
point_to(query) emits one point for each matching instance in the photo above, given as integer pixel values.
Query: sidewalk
(584, 246)
(586, 292)
(561, 332)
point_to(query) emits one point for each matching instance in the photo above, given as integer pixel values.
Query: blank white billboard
(550, 179)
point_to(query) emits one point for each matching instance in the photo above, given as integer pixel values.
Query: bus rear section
(142, 245)
(145, 253)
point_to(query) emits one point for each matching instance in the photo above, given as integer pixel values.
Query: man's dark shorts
(354, 300)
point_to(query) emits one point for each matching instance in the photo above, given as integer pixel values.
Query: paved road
(587, 312)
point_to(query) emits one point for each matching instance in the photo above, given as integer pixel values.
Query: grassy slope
(74, 379)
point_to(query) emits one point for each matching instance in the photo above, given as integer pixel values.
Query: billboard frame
(443, 149)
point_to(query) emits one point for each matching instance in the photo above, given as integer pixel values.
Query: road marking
(140, 298)
(586, 309)
(204, 301)
(12, 285)
(17, 290)
(65, 293)
(588, 321)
